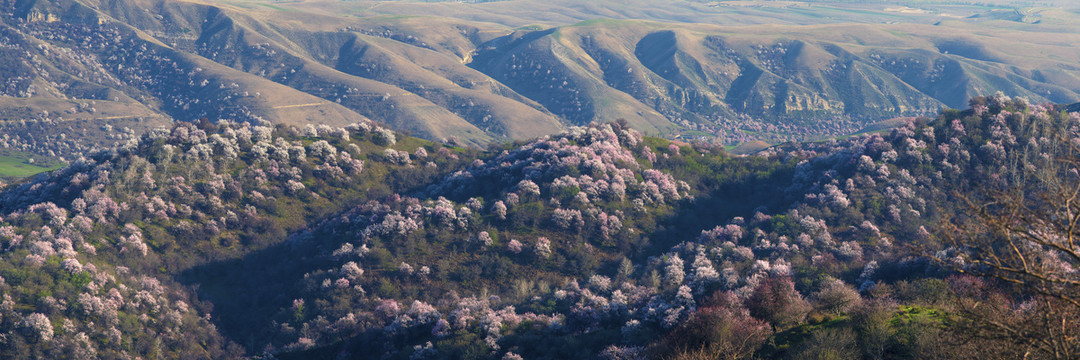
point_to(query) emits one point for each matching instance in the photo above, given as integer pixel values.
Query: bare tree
(1018, 225)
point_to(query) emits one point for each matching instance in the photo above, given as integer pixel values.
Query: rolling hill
(473, 73)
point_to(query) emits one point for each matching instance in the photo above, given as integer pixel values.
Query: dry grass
(451, 69)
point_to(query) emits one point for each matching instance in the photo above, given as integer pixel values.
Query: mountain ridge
(450, 78)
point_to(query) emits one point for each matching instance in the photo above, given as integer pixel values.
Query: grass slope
(14, 164)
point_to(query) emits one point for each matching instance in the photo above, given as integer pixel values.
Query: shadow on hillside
(247, 293)
(739, 198)
(494, 49)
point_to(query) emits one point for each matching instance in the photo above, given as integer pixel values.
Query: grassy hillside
(17, 164)
(733, 71)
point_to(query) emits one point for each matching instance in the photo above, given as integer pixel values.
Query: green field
(13, 165)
